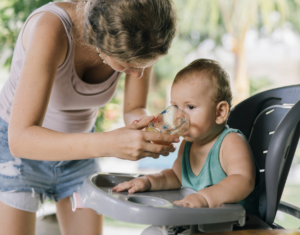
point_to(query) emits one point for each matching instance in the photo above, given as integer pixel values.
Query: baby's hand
(194, 200)
(139, 184)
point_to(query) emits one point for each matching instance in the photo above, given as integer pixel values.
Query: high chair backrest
(270, 121)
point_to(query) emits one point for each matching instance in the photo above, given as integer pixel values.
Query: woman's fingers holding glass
(142, 142)
(165, 154)
(155, 150)
(135, 144)
(142, 123)
(160, 138)
(153, 155)
(157, 115)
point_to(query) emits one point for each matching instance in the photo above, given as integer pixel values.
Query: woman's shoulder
(45, 32)
(71, 8)
(45, 23)
(53, 19)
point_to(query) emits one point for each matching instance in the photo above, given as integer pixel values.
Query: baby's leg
(15, 222)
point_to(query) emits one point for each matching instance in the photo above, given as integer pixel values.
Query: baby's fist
(194, 200)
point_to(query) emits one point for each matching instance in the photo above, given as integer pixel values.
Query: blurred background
(256, 41)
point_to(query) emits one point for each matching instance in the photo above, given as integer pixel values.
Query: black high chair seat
(270, 121)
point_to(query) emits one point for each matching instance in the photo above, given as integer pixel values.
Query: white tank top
(73, 104)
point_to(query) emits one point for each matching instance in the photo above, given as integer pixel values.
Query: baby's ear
(222, 112)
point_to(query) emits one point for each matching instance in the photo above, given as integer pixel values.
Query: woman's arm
(46, 46)
(135, 96)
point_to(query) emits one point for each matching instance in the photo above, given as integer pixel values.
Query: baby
(213, 159)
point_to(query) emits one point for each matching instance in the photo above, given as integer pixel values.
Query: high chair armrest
(155, 207)
(289, 209)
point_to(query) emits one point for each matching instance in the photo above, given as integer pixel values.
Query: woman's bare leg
(82, 221)
(15, 222)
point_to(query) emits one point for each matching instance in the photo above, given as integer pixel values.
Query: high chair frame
(270, 121)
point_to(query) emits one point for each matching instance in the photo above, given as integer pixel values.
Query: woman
(66, 64)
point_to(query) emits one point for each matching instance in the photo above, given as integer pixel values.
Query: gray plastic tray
(154, 208)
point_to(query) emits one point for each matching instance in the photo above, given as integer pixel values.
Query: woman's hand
(194, 200)
(133, 144)
(140, 184)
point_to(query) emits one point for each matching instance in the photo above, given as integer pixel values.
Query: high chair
(270, 121)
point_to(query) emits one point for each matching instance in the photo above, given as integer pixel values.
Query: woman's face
(135, 69)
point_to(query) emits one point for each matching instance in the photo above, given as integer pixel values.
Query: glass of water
(173, 121)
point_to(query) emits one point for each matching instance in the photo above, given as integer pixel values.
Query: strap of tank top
(214, 152)
(63, 16)
(217, 145)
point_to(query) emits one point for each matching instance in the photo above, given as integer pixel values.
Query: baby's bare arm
(237, 162)
(169, 178)
(165, 180)
(160, 181)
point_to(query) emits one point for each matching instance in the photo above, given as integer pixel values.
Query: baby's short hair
(214, 72)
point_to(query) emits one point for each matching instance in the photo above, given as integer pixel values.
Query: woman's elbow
(14, 144)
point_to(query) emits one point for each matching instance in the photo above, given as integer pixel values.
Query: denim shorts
(39, 179)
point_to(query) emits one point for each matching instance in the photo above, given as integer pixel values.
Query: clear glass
(173, 121)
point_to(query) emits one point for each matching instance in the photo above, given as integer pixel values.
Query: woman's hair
(212, 70)
(130, 30)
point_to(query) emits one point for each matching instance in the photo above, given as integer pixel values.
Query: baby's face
(194, 96)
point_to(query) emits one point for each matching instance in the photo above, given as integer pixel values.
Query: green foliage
(112, 112)
(291, 195)
(213, 18)
(199, 20)
(294, 13)
(296, 159)
(259, 84)
(13, 14)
